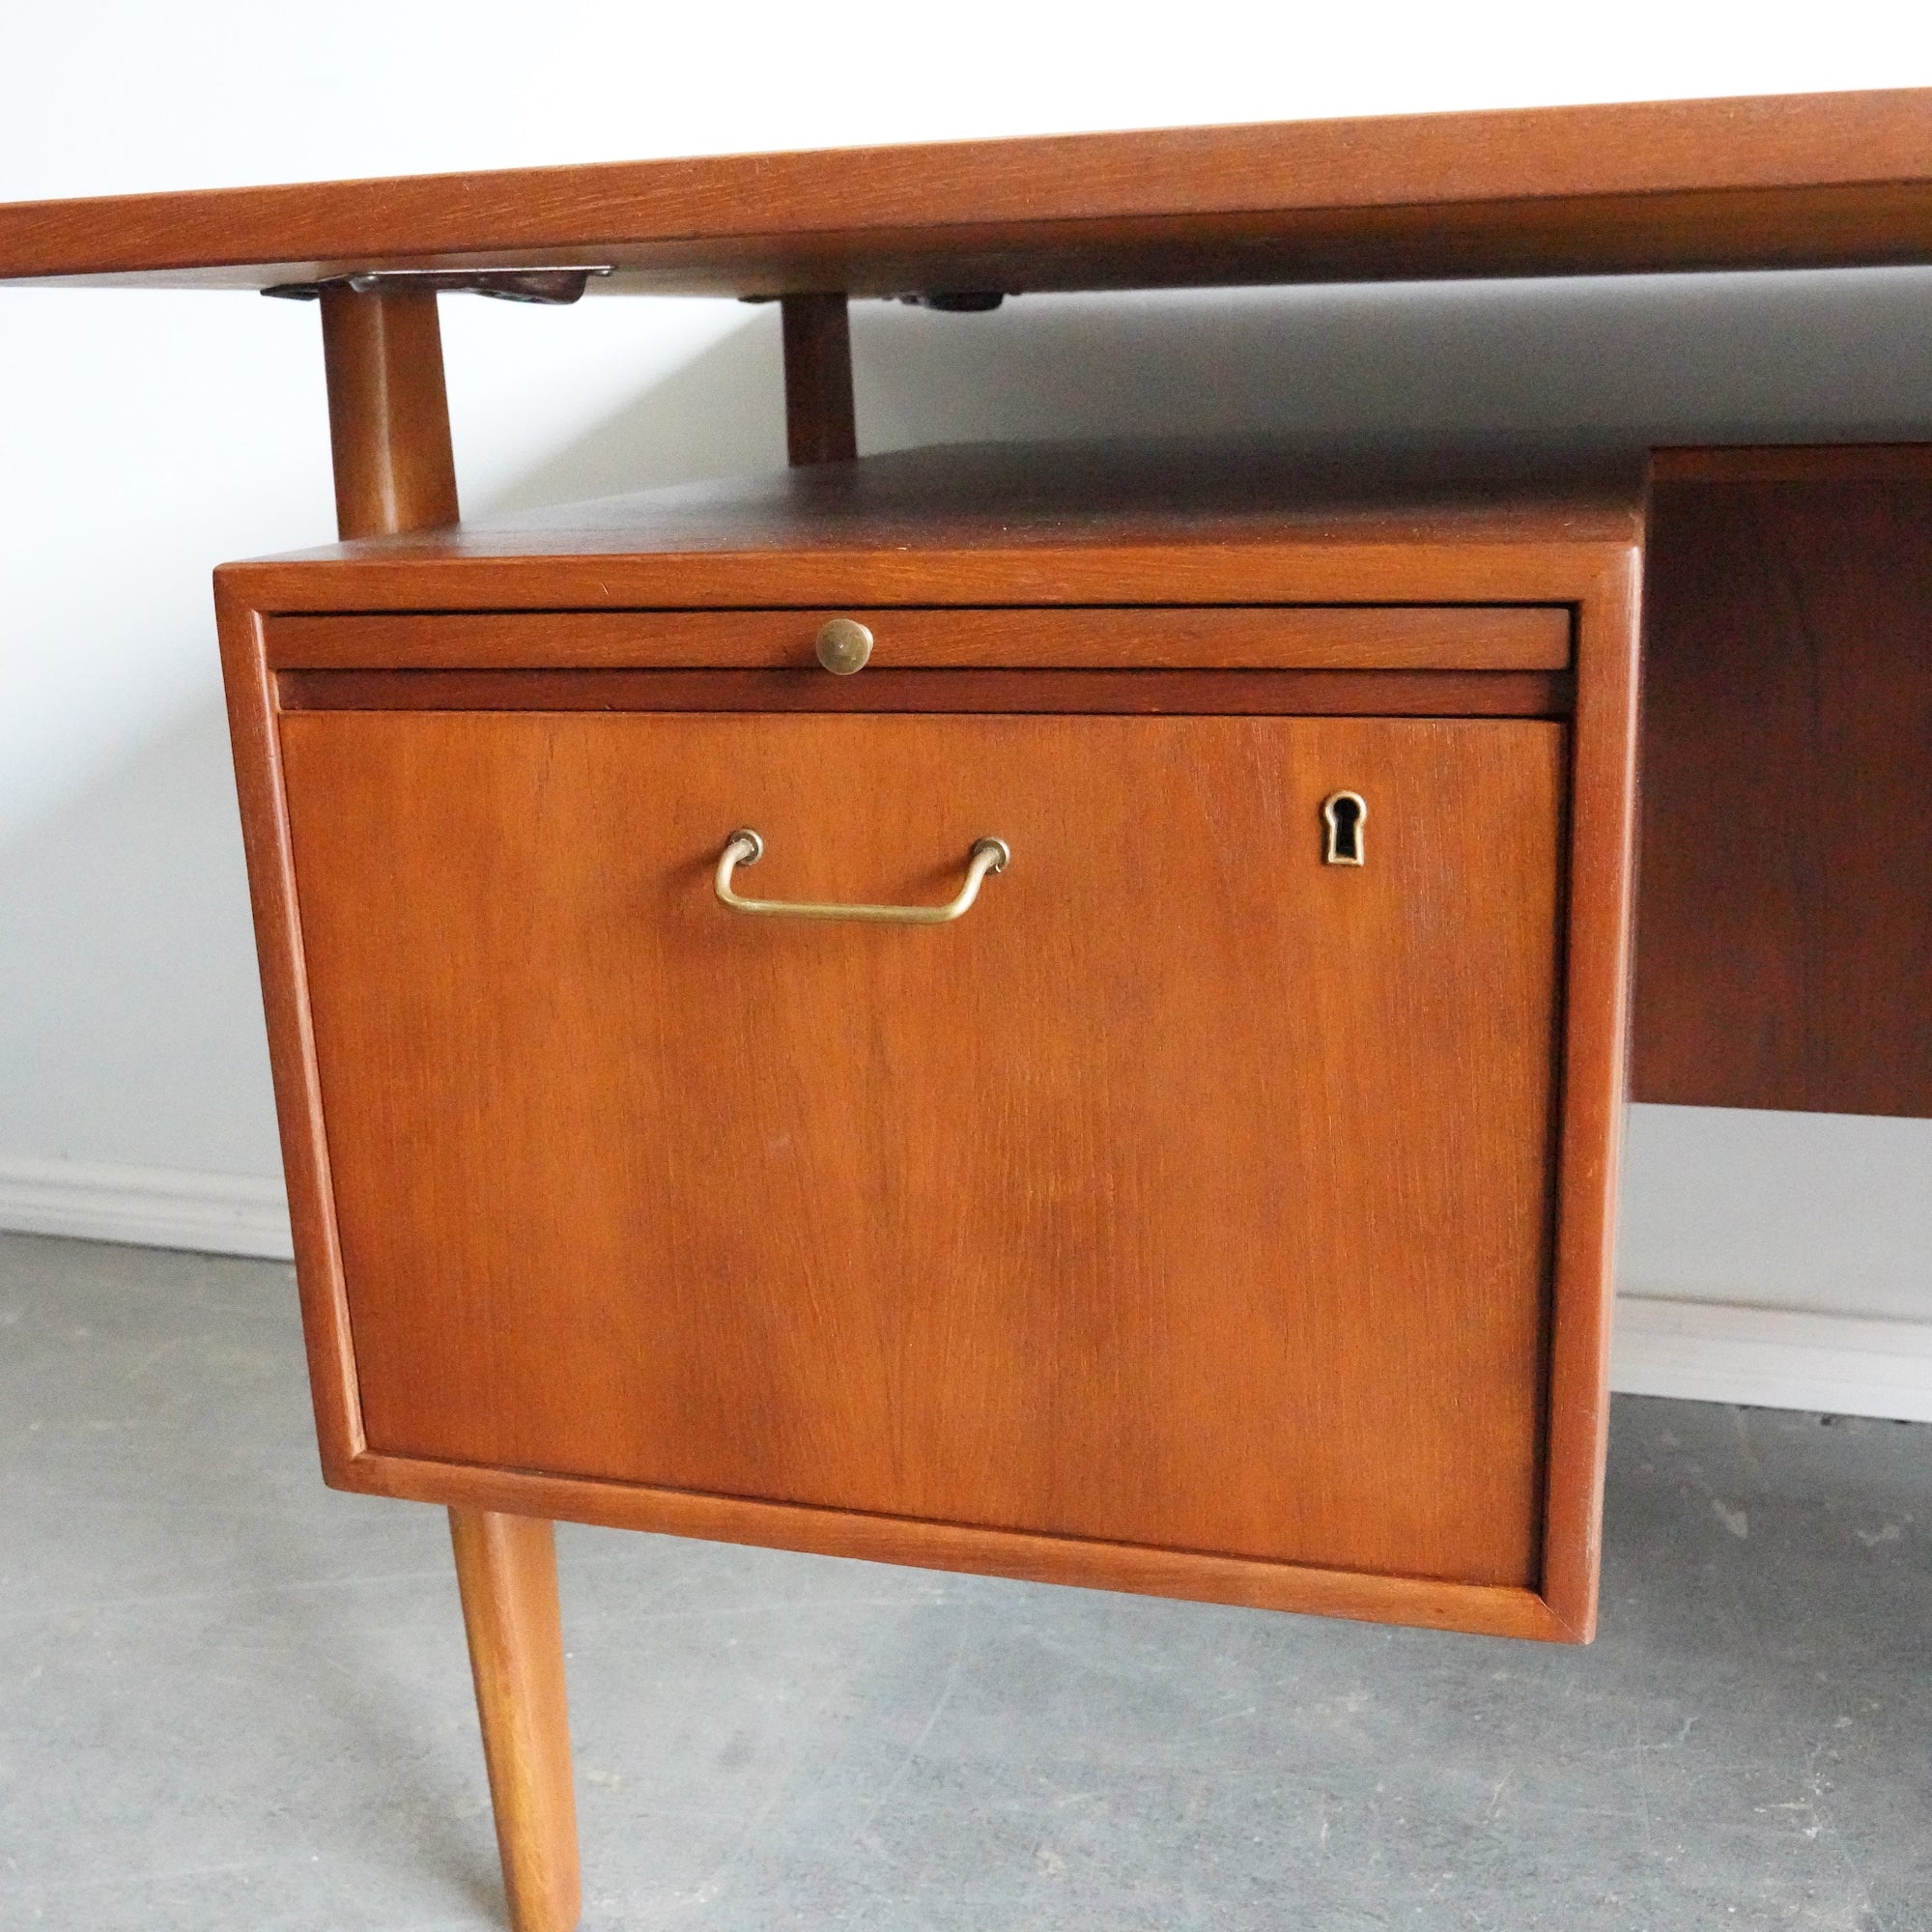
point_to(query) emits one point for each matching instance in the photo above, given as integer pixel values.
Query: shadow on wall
(1622, 362)
(721, 414)
(130, 1024)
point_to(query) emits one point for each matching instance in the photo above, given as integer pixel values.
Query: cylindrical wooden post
(389, 416)
(506, 1566)
(820, 425)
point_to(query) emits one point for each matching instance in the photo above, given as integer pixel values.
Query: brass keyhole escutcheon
(1344, 814)
(843, 646)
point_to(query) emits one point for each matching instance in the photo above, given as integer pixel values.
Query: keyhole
(1345, 814)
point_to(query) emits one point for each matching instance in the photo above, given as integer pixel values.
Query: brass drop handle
(745, 848)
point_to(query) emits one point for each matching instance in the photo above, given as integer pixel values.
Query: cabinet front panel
(1187, 1191)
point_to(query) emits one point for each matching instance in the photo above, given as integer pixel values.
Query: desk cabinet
(1215, 1206)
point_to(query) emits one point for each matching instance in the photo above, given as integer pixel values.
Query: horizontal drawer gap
(1255, 637)
(1483, 694)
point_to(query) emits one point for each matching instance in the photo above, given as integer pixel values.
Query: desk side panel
(1595, 1074)
(265, 830)
(1786, 908)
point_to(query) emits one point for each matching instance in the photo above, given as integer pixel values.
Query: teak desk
(1150, 1119)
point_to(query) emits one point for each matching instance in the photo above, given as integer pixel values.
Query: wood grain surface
(1786, 913)
(820, 426)
(1773, 181)
(1135, 1206)
(506, 1570)
(1492, 1610)
(1335, 638)
(1792, 463)
(1389, 694)
(254, 734)
(1596, 1015)
(1484, 566)
(389, 415)
(896, 540)
(1015, 526)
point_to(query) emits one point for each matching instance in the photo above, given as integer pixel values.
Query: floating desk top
(1791, 181)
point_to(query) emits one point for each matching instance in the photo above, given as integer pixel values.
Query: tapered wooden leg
(506, 1566)
(389, 415)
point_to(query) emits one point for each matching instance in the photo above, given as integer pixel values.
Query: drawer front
(1496, 638)
(1188, 1191)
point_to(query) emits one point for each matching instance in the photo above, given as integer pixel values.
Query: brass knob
(843, 646)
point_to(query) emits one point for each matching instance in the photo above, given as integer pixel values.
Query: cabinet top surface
(1000, 524)
(1778, 181)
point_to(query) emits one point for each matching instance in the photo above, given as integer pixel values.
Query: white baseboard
(1700, 1352)
(1773, 1357)
(149, 1207)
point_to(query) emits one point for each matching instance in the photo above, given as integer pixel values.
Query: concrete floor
(231, 1699)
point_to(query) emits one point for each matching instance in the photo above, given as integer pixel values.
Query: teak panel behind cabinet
(1187, 1192)
(1785, 918)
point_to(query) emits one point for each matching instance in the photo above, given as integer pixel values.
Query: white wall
(147, 437)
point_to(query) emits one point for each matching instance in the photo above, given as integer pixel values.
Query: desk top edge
(1737, 181)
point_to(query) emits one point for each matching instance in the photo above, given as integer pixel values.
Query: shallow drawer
(1444, 637)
